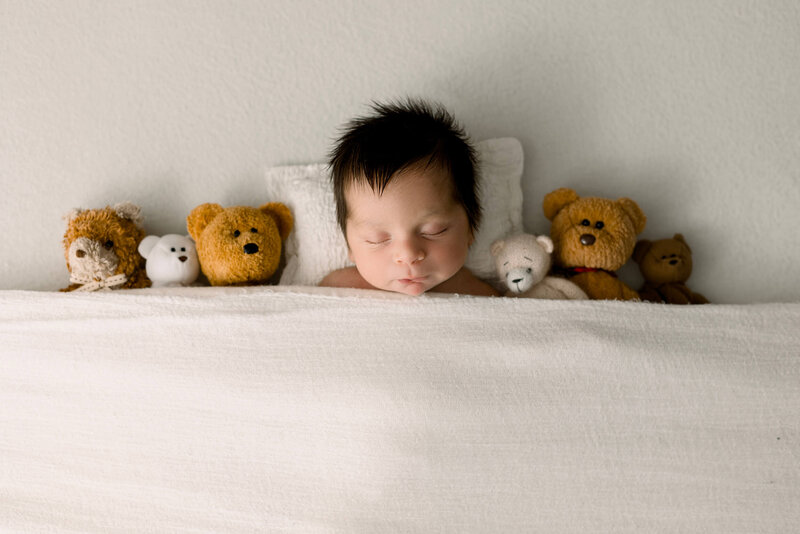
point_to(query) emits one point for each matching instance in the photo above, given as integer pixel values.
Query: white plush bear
(171, 260)
(523, 262)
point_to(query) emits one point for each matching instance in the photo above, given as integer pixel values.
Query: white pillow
(316, 246)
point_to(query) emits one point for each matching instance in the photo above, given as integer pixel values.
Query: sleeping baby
(404, 181)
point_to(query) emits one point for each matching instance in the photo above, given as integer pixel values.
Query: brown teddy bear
(593, 237)
(239, 245)
(665, 265)
(101, 248)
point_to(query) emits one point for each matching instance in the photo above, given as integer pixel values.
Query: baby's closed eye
(377, 240)
(433, 232)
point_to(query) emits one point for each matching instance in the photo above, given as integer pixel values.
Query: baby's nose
(409, 253)
(410, 259)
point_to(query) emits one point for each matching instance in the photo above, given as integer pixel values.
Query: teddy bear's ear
(635, 213)
(147, 244)
(282, 215)
(199, 218)
(497, 247)
(71, 214)
(554, 201)
(679, 237)
(641, 250)
(130, 211)
(546, 243)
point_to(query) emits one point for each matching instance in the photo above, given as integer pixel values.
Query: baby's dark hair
(399, 136)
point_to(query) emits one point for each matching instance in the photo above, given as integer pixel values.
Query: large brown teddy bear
(101, 248)
(666, 264)
(239, 245)
(593, 237)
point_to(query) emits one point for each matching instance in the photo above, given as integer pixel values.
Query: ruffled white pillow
(316, 246)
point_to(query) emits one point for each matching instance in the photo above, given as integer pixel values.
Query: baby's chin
(414, 289)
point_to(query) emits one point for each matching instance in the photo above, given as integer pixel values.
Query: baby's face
(411, 238)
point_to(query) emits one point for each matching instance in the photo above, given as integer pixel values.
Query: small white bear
(171, 260)
(523, 262)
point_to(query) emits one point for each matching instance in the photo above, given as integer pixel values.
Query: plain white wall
(690, 108)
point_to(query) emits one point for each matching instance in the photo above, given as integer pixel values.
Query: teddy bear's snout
(183, 258)
(250, 248)
(588, 240)
(519, 280)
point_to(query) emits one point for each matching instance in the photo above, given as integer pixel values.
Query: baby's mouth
(415, 280)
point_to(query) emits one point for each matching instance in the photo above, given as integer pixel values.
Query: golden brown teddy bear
(100, 246)
(239, 245)
(666, 264)
(593, 237)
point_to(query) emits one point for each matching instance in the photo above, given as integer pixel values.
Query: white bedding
(321, 410)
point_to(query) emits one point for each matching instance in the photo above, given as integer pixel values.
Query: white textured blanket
(321, 410)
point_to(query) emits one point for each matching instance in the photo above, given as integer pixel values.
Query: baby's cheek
(369, 270)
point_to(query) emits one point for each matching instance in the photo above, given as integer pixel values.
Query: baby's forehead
(429, 172)
(425, 195)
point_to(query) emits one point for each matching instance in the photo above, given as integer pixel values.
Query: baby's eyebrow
(363, 222)
(369, 222)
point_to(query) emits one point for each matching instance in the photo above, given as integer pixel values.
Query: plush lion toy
(100, 246)
(239, 245)
(666, 264)
(593, 237)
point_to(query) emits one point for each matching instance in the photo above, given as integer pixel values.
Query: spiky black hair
(397, 136)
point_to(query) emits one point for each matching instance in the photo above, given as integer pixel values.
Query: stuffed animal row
(590, 239)
(107, 248)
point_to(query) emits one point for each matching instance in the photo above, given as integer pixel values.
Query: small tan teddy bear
(239, 245)
(593, 237)
(666, 264)
(100, 246)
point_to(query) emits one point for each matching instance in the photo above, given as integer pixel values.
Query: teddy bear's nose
(587, 239)
(183, 258)
(673, 262)
(250, 248)
(517, 280)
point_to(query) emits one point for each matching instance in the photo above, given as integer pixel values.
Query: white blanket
(320, 410)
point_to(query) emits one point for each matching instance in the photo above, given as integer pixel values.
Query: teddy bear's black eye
(236, 233)
(585, 222)
(183, 249)
(599, 225)
(254, 230)
(108, 244)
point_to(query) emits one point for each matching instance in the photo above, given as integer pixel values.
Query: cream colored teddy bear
(523, 262)
(171, 260)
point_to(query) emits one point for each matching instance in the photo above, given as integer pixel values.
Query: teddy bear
(666, 264)
(593, 237)
(239, 245)
(523, 262)
(101, 248)
(171, 260)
